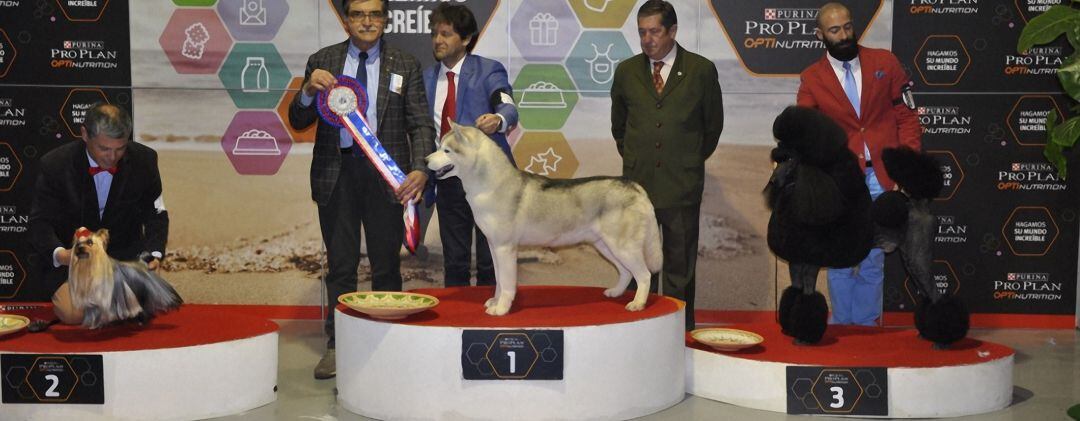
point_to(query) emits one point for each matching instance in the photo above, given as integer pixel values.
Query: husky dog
(513, 208)
(101, 290)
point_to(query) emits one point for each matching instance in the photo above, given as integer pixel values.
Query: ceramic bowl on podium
(193, 363)
(12, 323)
(388, 305)
(561, 353)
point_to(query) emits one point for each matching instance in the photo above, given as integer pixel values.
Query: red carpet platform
(549, 306)
(193, 363)
(971, 377)
(612, 363)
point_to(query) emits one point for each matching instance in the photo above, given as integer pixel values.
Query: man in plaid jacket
(349, 191)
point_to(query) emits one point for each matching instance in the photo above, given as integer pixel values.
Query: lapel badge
(879, 74)
(680, 73)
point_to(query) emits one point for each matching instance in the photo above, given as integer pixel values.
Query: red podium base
(194, 363)
(971, 377)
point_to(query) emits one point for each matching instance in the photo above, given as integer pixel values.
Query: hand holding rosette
(344, 106)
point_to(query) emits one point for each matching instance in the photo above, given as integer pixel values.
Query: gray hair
(109, 120)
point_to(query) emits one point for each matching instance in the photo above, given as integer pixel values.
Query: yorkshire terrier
(101, 290)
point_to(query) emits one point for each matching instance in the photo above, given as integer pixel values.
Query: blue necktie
(361, 70)
(850, 88)
(361, 76)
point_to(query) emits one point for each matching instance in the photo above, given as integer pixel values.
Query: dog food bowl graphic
(11, 323)
(724, 339)
(256, 142)
(388, 305)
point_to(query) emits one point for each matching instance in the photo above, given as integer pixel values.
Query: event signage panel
(407, 26)
(66, 42)
(837, 391)
(12, 273)
(776, 37)
(1004, 254)
(512, 354)
(971, 46)
(10, 168)
(8, 52)
(52, 379)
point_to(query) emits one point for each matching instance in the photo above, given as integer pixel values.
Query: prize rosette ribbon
(344, 106)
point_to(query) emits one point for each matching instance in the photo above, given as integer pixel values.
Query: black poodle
(905, 224)
(821, 213)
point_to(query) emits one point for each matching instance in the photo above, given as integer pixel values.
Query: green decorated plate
(724, 339)
(388, 305)
(11, 323)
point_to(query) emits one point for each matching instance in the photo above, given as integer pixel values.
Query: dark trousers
(456, 227)
(361, 198)
(679, 229)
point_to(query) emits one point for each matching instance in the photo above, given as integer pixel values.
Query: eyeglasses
(357, 16)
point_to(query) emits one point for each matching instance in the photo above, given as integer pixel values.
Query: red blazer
(885, 121)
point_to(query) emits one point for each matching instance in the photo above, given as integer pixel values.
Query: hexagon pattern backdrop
(210, 81)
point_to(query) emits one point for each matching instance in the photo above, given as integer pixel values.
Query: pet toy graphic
(543, 30)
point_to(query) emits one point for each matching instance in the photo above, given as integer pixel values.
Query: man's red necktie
(449, 106)
(95, 170)
(657, 78)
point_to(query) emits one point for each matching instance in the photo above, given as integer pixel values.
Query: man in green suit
(666, 118)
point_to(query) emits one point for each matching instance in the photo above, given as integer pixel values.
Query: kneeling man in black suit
(104, 181)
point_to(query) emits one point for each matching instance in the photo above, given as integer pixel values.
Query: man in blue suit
(470, 90)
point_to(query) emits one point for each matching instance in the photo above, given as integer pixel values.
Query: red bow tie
(95, 170)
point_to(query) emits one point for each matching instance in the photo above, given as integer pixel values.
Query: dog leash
(776, 287)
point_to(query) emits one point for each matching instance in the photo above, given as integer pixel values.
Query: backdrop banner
(213, 80)
(1007, 224)
(57, 58)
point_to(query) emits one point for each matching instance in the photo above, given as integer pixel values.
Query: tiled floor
(1046, 379)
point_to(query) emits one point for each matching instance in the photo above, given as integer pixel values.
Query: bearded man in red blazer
(868, 94)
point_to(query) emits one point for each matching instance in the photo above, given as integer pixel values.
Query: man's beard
(845, 50)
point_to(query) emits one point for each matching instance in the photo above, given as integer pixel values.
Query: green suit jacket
(665, 138)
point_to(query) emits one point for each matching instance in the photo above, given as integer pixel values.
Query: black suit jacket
(405, 126)
(65, 199)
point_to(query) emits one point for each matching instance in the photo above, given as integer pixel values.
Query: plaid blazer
(406, 128)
